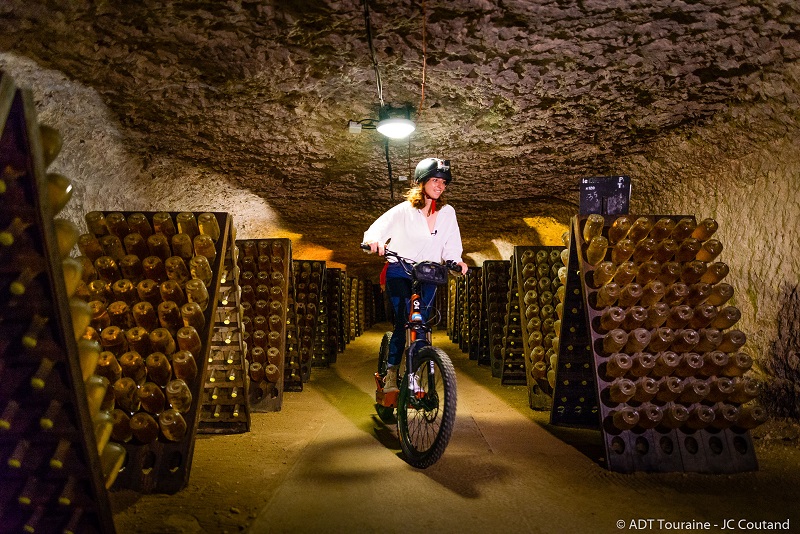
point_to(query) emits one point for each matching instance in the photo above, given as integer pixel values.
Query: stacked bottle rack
(321, 352)
(308, 280)
(537, 270)
(53, 439)
(648, 348)
(472, 322)
(495, 307)
(353, 313)
(293, 379)
(337, 309)
(512, 370)
(452, 303)
(264, 281)
(226, 409)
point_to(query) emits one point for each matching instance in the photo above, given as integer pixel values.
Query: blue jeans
(398, 287)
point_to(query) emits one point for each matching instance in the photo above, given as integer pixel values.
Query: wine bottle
(665, 364)
(624, 418)
(670, 273)
(679, 317)
(111, 461)
(720, 294)
(592, 227)
(626, 273)
(705, 229)
(124, 290)
(621, 390)
(103, 424)
(745, 389)
(692, 272)
(119, 314)
(629, 295)
(661, 339)
(690, 364)
(710, 339)
(176, 269)
(675, 415)
(700, 417)
(185, 366)
(133, 366)
(171, 291)
(675, 293)
(709, 250)
(112, 338)
(702, 316)
(683, 229)
(117, 224)
(144, 427)
(713, 363)
(669, 389)
(687, 250)
(715, 273)
(125, 394)
(204, 246)
(196, 292)
(611, 318)
(644, 250)
(662, 229)
(137, 222)
(685, 340)
(39, 378)
(650, 415)
(726, 318)
(751, 416)
(738, 364)
(169, 316)
(622, 251)
(162, 341)
(272, 372)
(187, 224)
(200, 269)
(136, 245)
(657, 315)
(618, 229)
(99, 315)
(88, 356)
(732, 341)
(163, 223)
(719, 388)
(36, 330)
(179, 395)
(152, 398)
(108, 366)
(638, 339)
(694, 390)
(159, 370)
(608, 295)
(145, 316)
(154, 269)
(617, 366)
(665, 250)
(614, 341)
(193, 316)
(172, 424)
(596, 251)
(643, 364)
(182, 246)
(639, 229)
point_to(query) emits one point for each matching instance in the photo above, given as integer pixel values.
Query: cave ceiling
(523, 96)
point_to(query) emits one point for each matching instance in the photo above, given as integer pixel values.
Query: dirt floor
(325, 462)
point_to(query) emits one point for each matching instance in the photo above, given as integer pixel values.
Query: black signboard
(606, 195)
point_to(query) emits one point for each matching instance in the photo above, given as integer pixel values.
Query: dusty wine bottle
(96, 223)
(196, 292)
(626, 273)
(200, 269)
(685, 340)
(136, 245)
(137, 222)
(126, 394)
(719, 388)
(738, 364)
(689, 366)
(679, 316)
(622, 251)
(143, 427)
(700, 417)
(715, 273)
(687, 250)
(694, 390)
(108, 366)
(644, 250)
(692, 272)
(208, 225)
(726, 318)
(179, 395)
(702, 316)
(182, 246)
(665, 364)
(172, 424)
(169, 316)
(656, 315)
(629, 295)
(675, 293)
(158, 246)
(204, 246)
(152, 398)
(611, 318)
(111, 461)
(162, 341)
(596, 251)
(745, 389)
(119, 314)
(643, 364)
(650, 415)
(617, 366)
(176, 270)
(661, 339)
(133, 366)
(187, 224)
(709, 250)
(639, 229)
(614, 341)
(732, 341)
(638, 339)
(670, 272)
(159, 370)
(662, 229)
(185, 366)
(621, 390)
(608, 295)
(618, 229)
(751, 416)
(193, 316)
(683, 229)
(669, 389)
(145, 316)
(592, 227)
(171, 291)
(705, 229)
(112, 338)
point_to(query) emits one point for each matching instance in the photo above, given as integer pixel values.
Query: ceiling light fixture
(396, 128)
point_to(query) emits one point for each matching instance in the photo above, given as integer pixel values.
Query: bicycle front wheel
(426, 410)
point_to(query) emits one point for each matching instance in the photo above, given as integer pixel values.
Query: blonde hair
(416, 196)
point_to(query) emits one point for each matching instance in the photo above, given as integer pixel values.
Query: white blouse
(411, 238)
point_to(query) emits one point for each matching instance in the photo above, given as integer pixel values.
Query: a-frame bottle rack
(264, 267)
(157, 461)
(512, 370)
(639, 361)
(309, 277)
(536, 269)
(52, 473)
(472, 312)
(495, 303)
(226, 409)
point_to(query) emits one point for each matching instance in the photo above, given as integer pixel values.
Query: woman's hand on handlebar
(463, 267)
(373, 247)
(460, 267)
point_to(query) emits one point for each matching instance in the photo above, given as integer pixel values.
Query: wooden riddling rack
(226, 409)
(161, 465)
(496, 276)
(691, 424)
(263, 266)
(309, 278)
(353, 307)
(41, 415)
(512, 368)
(452, 305)
(337, 311)
(536, 270)
(471, 325)
(328, 335)
(292, 379)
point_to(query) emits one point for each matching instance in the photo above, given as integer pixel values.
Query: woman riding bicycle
(423, 228)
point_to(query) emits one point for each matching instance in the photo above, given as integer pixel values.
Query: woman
(423, 228)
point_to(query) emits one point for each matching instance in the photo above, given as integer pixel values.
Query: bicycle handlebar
(450, 264)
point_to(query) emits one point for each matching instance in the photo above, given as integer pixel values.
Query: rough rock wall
(744, 171)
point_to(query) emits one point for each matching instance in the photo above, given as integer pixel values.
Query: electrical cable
(378, 81)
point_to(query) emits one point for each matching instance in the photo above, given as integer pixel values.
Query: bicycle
(426, 400)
